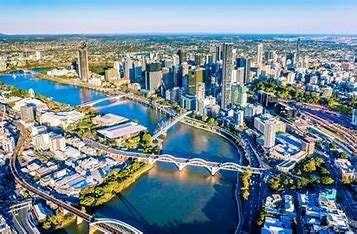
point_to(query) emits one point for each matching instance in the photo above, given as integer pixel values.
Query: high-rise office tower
(219, 52)
(153, 77)
(297, 49)
(245, 63)
(83, 62)
(290, 58)
(227, 68)
(239, 95)
(182, 56)
(238, 75)
(260, 55)
(195, 76)
(200, 93)
(128, 65)
(263, 98)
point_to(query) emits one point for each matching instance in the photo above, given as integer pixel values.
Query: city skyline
(115, 17)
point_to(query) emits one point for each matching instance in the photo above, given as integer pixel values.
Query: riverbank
(114, 183)
(57, 221)
(163, 190)
(71, 81)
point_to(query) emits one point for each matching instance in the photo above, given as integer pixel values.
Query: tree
(261, 217)
(324, 171)
(333, 145)
(204, 118)
(319, 161)
(87, 201)
(327, 180)
(275, 183)
(343, 155)
(212, 122)
(309, 166)
(346, 180)
(146, 139)
(245, 194)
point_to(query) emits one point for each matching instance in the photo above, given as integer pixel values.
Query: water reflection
(165, 200)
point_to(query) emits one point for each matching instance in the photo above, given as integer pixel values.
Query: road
(24, 138)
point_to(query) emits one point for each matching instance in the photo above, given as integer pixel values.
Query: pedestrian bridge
(108, 225)
(165, 126)
(95, 102)
(180, 163)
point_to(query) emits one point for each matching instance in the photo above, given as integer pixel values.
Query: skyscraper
(219, 52)
(153, 77)
(182, 56)
(83, 62)
(227, 68)
(260, 55)
(245, 63)
(239, 95)
(297, 49)
(128, 65)
(200, 93)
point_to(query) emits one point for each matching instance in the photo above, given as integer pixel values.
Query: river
(164, 200)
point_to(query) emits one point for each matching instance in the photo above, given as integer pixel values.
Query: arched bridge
(180, 163)
(108, 225)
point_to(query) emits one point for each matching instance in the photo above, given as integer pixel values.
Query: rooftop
(122, 130)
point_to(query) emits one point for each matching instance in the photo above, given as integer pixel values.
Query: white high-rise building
(200, 93)
(58, 143)
(354, 117)
(260, 55)
(269, 134)
(42, 141)
(128, 65)
(239, 117)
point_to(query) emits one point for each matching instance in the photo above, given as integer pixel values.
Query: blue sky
(145, 16)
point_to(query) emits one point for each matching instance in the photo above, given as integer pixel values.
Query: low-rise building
(122, 131)
(280, 214)
(348, 172)
(321, 213)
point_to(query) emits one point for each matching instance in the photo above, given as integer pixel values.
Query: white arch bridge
(212, 167)
(97, 101)
(107, 225)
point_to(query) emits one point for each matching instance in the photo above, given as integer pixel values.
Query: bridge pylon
(214, 170)
(79, 220)
(151, 161)
(181, 166)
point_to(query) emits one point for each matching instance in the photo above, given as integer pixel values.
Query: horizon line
(182, 33)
